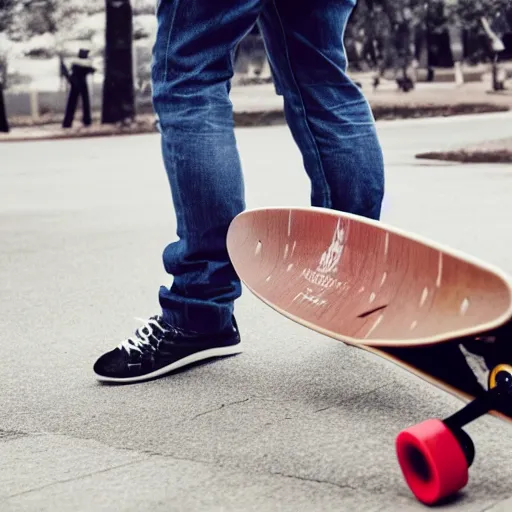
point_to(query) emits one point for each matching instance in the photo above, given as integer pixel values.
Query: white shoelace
(145, 332)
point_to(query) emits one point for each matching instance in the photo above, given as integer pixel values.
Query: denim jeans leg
(192, 66)
(327, 113)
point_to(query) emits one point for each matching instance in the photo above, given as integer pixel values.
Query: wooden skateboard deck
(392, 293)
(442, 315)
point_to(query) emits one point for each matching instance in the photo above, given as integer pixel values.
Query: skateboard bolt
(504, 382)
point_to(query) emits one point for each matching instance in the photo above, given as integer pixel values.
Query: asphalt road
(298, 422)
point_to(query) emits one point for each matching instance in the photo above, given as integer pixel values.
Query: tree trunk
(457, 49)
(118, 86)
(4, 125)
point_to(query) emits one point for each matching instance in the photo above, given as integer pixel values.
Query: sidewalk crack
(222, 406)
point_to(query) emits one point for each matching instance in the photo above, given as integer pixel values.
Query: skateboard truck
(499, 392)
(435, 455)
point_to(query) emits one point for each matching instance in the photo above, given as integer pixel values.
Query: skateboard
(438, 313)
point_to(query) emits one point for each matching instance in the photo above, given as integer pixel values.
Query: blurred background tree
(6, 13)
(402, 35)
(395, 35)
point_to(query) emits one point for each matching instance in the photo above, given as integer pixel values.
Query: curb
(259, 118)
(498, 156)
(82, 134)
(272, 117)
(411, 111)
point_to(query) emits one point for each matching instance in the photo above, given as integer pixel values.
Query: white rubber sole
(193, 358)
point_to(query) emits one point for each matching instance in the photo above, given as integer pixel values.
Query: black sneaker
(158, 348)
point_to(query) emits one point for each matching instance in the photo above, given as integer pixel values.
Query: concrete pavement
(297, 422)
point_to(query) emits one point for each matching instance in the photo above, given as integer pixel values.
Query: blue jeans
(328, 116)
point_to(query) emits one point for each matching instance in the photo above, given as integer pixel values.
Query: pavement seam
(67, 480)
(359, 490)
(493, 507)
(149, 454)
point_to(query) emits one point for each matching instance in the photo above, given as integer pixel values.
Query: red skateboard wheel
(432, 461)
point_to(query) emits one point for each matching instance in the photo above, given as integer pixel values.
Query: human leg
(71, 106)
(191, 73)
(86, 104)
(327, 112)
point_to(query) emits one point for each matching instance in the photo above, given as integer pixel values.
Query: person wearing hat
(81, 67)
